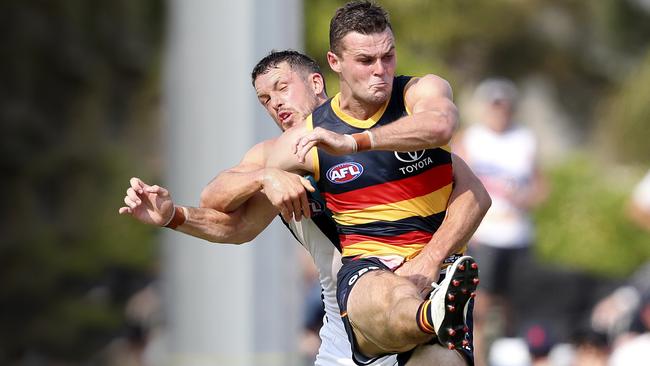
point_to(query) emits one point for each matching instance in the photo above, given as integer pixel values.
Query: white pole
(225, 305)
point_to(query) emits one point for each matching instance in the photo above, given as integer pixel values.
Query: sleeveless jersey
(318, 235)
(386, 204)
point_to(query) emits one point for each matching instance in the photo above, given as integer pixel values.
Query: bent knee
(379, 290)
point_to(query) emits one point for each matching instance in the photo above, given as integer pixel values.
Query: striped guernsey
(386, 204)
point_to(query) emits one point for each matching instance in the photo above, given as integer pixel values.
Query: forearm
(468, 204)
(463, 218)
(237, 227)
(432, 120)
(424, 130)
(230, 189)
(211, 225)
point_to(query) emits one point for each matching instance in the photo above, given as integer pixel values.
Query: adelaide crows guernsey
(386, 204)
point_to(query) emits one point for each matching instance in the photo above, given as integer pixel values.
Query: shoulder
(258, 154)
(293, 133)
(429, 84)
(282, 153)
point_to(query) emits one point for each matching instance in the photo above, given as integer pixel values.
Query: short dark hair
(362, 17)
(295, 59)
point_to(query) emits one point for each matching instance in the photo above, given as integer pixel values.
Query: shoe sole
(460, 289)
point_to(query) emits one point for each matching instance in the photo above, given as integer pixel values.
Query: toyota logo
(409, 156)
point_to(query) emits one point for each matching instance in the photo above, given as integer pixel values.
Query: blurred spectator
(540, 341)
(509, 352)
(624, 315)
(143, 323)
(639, 207)
(590, 348)
(634, 347)
(504, 155)
(615, 315)
(618, 313)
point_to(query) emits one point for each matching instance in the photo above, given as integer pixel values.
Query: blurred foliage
(624, 126)
(78, 93)
(583, 225)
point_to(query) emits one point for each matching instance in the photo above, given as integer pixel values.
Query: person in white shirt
(504, 155)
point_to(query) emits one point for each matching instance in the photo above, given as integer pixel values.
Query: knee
(379, 293)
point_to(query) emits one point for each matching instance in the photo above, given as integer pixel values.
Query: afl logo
(409, 156)
(344, 172)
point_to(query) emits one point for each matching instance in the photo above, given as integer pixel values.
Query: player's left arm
(468, 204)
(432, 120)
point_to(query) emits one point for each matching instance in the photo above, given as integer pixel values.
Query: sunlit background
(95, 92)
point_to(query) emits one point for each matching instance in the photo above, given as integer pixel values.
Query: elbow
(241, 237)
(233, 236)
(443, 130)
(484, 200)
(242, 232)
(444, 133)
(236, 240)
(204, 200)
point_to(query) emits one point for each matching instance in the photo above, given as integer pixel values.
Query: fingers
(304, 202)
(296, 208)
(293, 206)
(130, 202)
(124, 210)
(304, 150)
(307, 184)
(131, 193)
(285, 213)
(137, 184)
(162, 192)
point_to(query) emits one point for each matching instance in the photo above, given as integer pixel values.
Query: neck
(356, 108)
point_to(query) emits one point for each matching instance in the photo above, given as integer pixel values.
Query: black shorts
(348, 275)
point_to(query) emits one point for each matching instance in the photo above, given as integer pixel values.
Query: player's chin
(288, 123)
(379, 96)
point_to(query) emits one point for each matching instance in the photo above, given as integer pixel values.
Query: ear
(317, 83)
(334, 62)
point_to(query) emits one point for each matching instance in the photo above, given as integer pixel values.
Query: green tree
(79, 87)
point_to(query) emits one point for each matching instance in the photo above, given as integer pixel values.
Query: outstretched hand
(331, 142)
(421, 272)
(148, 204)
(287, 192)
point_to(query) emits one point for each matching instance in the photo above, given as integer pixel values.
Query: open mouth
(284, 116)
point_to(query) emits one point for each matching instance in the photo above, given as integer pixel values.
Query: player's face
(287, 97)
(366, 65)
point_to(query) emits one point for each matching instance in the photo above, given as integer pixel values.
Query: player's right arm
(232, 187)
(153, 205)
(236, 227)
